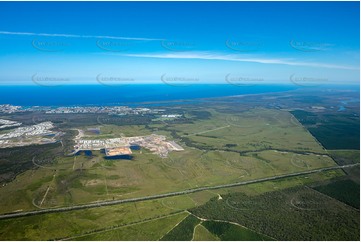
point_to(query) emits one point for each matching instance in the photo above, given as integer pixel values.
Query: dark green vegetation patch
(333, 130)
(346, 191)
(227, 231)
(345, 157)
(14, 161)
(292, 214)
(200, 114)
(183, 231)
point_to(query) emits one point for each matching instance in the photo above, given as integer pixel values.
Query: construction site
(157, 144)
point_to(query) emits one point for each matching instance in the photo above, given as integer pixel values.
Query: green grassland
(192, 228)
(14, 161)
(281, 184)
(83, 222)
(183, 231)
(202, 234)
(149, 230)
(76, 224)
(219, 149)
(252, 130)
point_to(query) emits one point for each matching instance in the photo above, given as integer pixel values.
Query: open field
(182, 231)
(80, 223)
(180, 121)
(148, 230)
(225, 149)
(202, 234)
(251, 130)
(219, 148)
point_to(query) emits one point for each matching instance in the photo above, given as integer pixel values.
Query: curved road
(170, 194)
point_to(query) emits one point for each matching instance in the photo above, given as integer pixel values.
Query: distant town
(28, 135)
(18, 134)
(8, 123)
(111, 110)
(43, 133)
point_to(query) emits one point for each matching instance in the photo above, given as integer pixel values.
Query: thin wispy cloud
(233, 57)
(77, 36)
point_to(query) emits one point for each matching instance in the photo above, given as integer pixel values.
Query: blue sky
(142, 42)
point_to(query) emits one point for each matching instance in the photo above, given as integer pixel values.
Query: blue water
(341, 108)
(85, 152)
(94, 131)
(88, 153)
(119, 157)
(135, 147)
(122, 95)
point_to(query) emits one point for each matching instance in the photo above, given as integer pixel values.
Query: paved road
(170, 194)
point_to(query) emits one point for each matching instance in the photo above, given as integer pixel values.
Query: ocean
(81, 95)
